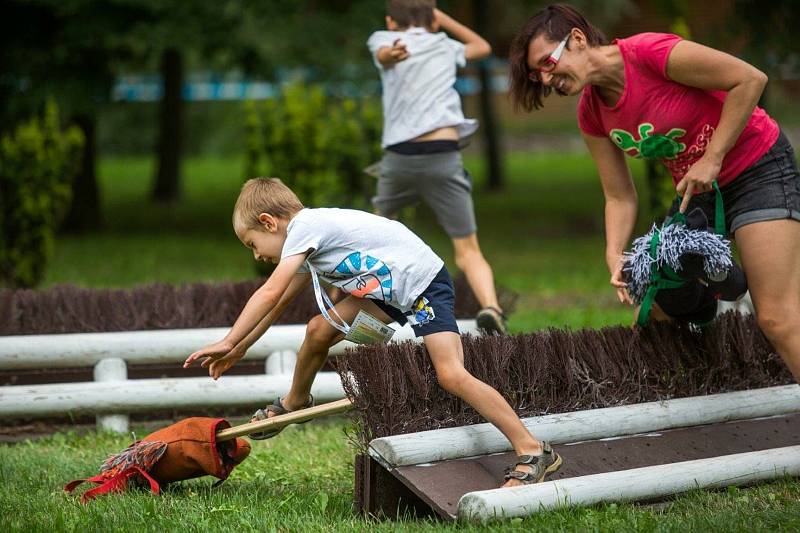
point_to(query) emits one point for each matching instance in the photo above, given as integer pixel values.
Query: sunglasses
(535, 74)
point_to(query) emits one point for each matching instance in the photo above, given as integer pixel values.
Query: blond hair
(264, 195)
(408, 13)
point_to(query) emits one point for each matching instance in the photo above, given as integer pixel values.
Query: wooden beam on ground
(480, 439)
(629, 485)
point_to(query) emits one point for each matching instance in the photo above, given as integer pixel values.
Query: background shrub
(317, 144)
(37, 164)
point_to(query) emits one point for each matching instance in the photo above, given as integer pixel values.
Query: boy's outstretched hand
(217, 357)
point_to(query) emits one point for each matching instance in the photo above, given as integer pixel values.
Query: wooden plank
(380, 494)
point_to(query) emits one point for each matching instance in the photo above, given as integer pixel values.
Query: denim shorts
(441, 297)
(438, 179)
(767, 190)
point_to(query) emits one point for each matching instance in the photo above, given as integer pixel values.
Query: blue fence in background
(144, 88)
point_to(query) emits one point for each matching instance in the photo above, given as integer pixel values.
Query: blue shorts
(441, 298)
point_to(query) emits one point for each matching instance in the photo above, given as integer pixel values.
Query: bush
(37, 164)
(318, 145)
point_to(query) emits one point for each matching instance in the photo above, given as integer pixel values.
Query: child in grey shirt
(423, 128)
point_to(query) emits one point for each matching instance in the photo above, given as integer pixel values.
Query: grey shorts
(440, 180)
(767, 190)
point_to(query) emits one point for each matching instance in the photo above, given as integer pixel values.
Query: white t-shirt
(418, 92)
(363, 254)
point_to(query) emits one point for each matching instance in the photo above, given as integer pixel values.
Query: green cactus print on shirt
(650, 145)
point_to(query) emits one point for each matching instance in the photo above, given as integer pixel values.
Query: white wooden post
(629, 485)
(148, 395)
(112, 369)
(280, 362)
(480, 439)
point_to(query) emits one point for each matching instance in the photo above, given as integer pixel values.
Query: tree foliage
(318, 145)
(37, 164)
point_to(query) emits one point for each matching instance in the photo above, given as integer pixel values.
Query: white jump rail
(480, 439)
(18, 352)
(144, 395)
(112, 397)
(636, 484)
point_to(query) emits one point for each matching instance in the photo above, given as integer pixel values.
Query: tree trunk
(84, 212)
(494, 171)
(167, 186)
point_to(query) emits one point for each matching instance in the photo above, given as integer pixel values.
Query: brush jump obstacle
(429, 462)
(637, 414)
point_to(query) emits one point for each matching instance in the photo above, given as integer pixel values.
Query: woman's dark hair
(555, 22)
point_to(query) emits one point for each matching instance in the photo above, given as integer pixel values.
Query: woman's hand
(699, 178)
(618, 280)
(210, 353)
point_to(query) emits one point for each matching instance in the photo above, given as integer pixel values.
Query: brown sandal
(277, 409)
(541, 465)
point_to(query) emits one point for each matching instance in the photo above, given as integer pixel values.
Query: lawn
(303, 481)
(543, 236)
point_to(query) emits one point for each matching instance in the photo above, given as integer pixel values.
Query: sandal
(541, 465)
(277, 409)
(492, 320)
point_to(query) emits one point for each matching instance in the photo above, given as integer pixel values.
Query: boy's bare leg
(470, 261)
(320, 336)
(447, 355)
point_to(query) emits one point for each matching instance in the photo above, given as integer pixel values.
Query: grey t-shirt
(363, 254)
(418, 93)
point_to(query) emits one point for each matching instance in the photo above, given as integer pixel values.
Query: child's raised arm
(475, 46)
(260, 304)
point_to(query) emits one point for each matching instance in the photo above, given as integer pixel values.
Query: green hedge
(37, 164)
(318, 145)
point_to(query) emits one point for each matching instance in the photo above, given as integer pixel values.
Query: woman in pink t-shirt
(656, 96)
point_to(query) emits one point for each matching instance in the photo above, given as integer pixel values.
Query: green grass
(303, 481)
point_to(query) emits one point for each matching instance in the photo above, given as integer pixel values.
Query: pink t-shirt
(657, 118)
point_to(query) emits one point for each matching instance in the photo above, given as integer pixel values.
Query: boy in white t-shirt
(423, 127)
(387, 272)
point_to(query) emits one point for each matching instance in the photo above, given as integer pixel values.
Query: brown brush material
(394, 390)
(70, 309)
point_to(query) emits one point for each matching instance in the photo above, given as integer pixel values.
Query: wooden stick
(281, 421)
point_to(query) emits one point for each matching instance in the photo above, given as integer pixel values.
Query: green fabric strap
(719, 212)
(670, 279)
